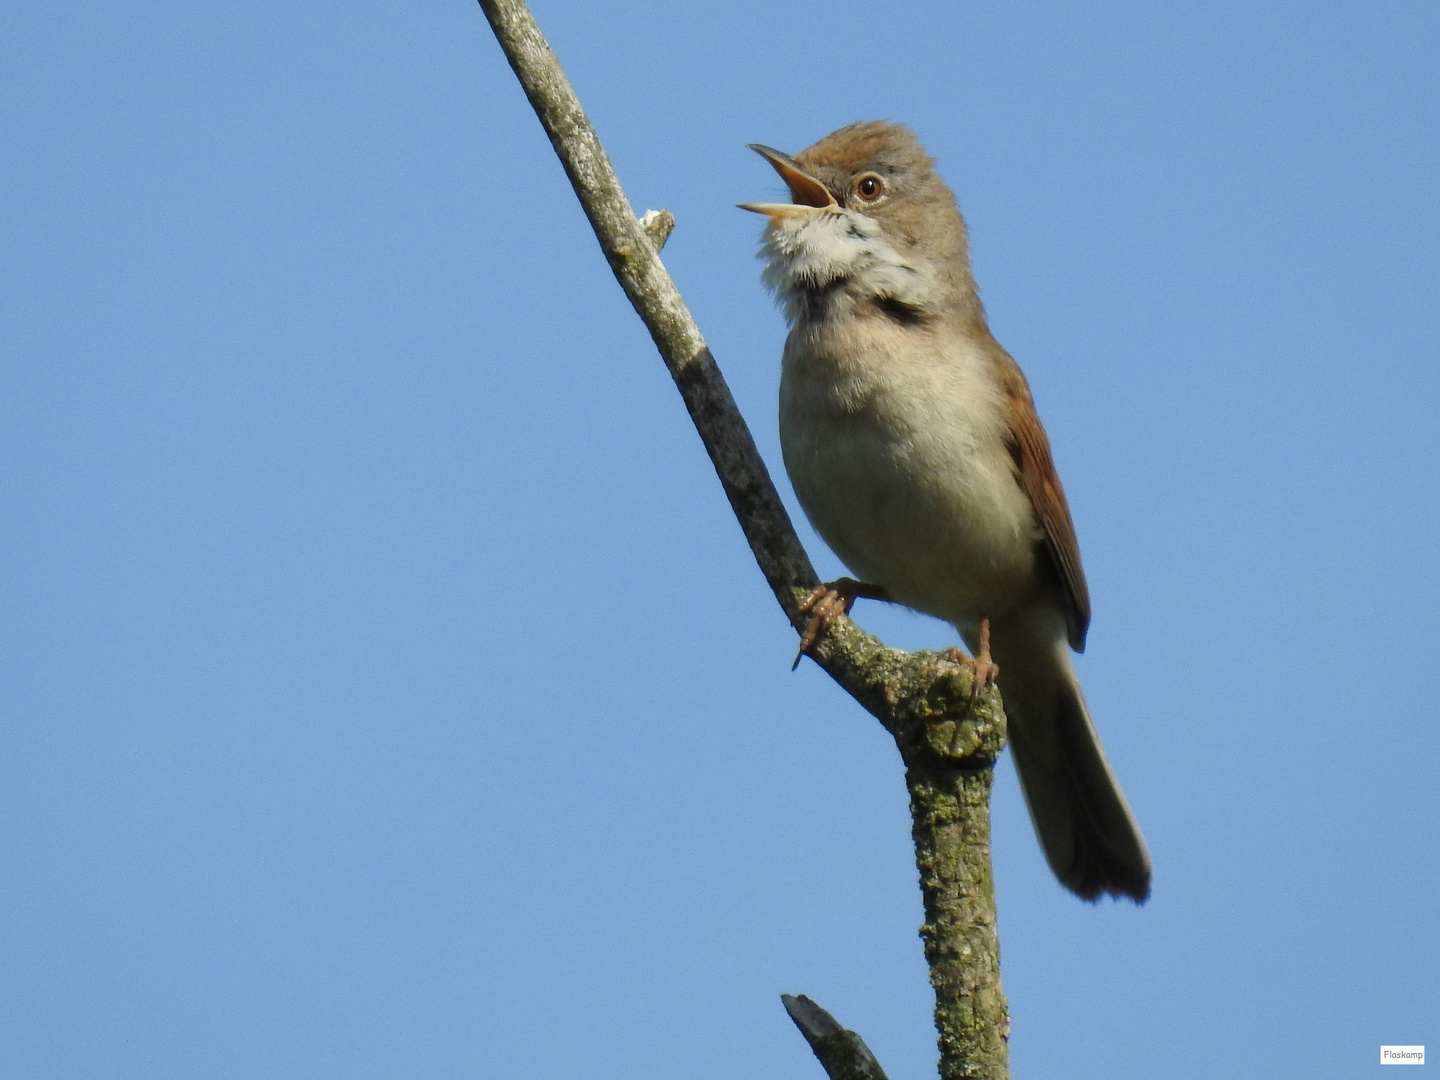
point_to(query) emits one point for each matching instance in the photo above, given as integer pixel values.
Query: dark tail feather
(1084, 824)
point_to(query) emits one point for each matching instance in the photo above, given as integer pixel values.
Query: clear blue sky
(386, 688)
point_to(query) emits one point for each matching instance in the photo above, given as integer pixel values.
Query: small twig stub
(842, 1053)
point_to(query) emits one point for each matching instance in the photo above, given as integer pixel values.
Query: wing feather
(1030, 449)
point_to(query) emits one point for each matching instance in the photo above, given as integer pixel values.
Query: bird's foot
(827, 602)
(982, 668)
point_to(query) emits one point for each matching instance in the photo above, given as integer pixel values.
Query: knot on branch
(928, 702)
(946, 716)
(658, 225)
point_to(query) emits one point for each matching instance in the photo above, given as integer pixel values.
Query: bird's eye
(870, 187)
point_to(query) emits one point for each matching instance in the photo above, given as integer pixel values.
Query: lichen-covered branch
(951, 826)
(948, 733)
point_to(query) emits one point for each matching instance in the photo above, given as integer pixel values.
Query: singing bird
(912, 442)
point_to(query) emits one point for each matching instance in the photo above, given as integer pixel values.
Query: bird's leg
(828, 601)
(981, 666)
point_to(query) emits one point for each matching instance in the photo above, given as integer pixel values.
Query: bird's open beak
(809, 194)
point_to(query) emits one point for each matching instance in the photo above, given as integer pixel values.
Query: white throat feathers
(832, 256)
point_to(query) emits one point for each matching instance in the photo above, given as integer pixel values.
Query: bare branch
(637, 267)
(842, 1053)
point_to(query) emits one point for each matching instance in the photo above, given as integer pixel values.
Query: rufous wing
(1030, 449)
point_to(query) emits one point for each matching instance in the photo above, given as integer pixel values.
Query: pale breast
(894, 444)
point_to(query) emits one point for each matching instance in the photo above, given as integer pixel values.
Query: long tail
(1084, 824)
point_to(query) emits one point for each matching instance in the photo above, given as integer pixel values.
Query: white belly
(902, 469)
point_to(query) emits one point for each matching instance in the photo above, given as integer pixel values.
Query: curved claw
(828, 601)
